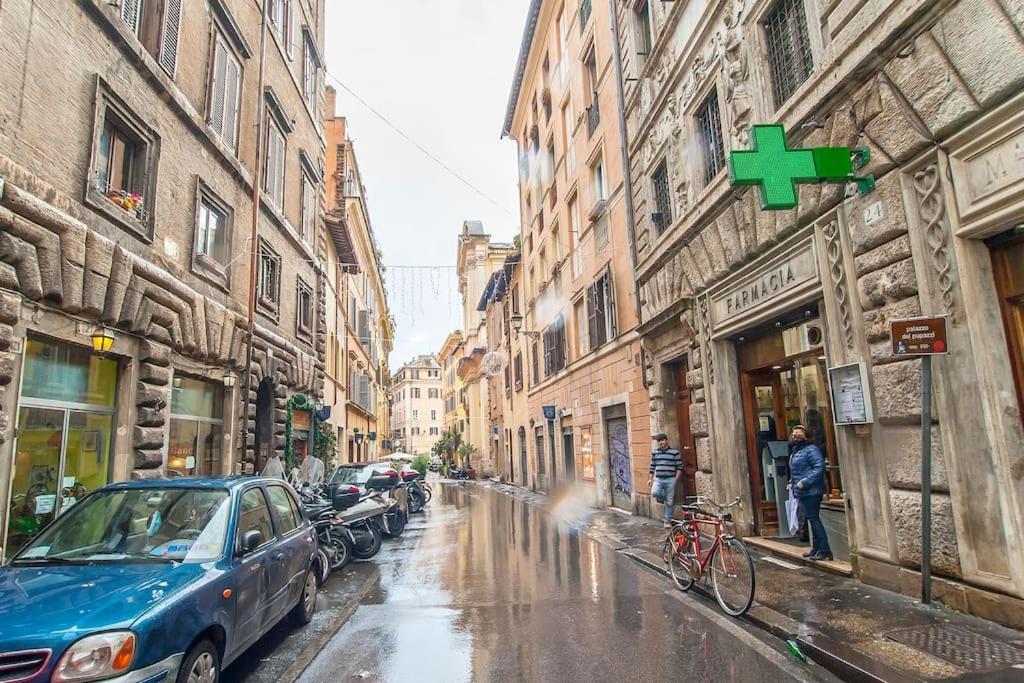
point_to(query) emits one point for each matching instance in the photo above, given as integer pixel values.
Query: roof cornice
(524, 56)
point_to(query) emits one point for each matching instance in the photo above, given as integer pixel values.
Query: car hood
(41, 606)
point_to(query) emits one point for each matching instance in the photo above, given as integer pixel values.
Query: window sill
(269, 308)
(101, 204)
(212, 271)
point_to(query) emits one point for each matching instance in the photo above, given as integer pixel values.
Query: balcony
(584, 15)
(593, 118)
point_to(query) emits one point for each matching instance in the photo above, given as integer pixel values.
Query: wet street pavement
(484, 587)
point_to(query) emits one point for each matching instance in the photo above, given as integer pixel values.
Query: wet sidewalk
(857, 631)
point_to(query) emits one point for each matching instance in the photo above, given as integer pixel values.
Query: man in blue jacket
(807, 481)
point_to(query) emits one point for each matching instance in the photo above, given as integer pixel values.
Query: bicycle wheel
(732, 576)
(682, 555)
(427, 493)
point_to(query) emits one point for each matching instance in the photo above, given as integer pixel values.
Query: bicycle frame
(693, 521)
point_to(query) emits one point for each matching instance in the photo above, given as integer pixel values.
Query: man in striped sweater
(666, 469)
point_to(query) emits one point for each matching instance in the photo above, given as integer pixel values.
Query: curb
(836, 658)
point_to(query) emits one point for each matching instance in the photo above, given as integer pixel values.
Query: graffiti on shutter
(169, 43)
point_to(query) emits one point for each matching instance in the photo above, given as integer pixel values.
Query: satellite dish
(493, 363)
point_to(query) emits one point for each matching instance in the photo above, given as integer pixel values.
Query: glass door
(762, 401)
(37, 462)
(1008, 266)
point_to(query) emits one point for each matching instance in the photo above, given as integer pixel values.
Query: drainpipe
(253, 234)
(627, 183)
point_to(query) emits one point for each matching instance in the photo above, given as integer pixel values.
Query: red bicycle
(727, 560)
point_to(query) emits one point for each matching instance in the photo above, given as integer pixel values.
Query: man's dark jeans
(811, 506)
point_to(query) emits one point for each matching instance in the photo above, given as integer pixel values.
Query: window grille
(709, 132)
(662, 217)
(789, 48)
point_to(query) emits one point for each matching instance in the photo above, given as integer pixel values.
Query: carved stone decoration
(736, 72)
(932, 210)
(677, 156)
(837, 277)
(705, 330)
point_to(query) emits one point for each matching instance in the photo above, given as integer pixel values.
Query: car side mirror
(251, 540)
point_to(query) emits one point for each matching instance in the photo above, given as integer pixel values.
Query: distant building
(417, 408)
(478, 258)
(449, 357)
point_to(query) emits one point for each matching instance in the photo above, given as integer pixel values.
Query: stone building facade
(746, 312)
(417, 409)
(360, 328)
(588, 422)
(448, 356)
(477, 259)
(127, 164)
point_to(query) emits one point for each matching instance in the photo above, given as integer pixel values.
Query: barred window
(709, 132)
(268, 282)
(662, 216)
(789, 48)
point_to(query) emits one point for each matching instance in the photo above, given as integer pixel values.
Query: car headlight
(96, 657)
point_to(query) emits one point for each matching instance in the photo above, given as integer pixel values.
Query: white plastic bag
(792, 511)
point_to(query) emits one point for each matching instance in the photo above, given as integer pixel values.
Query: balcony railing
(584, 15)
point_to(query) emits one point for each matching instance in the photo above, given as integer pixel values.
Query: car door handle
(277, 556)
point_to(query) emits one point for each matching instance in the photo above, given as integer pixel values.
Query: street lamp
(102, 340)
(517, 324)
(230, 379)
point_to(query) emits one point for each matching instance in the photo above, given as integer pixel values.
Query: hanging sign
(919, 336)
(777, 169)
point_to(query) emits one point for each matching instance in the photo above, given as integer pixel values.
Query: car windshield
(351, 475)
(141, 525)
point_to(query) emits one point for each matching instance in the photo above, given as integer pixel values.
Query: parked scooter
(462, 473)
(417, 489)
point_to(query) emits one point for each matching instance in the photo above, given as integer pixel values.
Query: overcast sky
(440, 70)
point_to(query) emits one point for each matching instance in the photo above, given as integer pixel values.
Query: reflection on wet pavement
(484, 587)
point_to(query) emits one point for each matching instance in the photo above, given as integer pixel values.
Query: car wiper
(45, 560)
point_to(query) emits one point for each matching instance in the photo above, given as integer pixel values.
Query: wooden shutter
(609, 303)
(169, 39)
(130, 14)
(293, 32)
(232, 100)
(592, 314)
(218, 85)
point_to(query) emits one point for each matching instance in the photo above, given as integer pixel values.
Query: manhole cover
(968, 650)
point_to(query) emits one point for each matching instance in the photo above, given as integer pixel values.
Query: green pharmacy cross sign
(778, 169)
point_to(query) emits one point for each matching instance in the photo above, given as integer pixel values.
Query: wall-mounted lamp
(230, 379)
(102, 341)
(517, 324)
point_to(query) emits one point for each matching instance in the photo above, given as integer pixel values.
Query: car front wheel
(302, 613)
(201, 664)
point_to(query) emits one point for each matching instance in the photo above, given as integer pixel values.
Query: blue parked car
(165, 580)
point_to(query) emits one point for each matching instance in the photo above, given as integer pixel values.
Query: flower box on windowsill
(122, 207)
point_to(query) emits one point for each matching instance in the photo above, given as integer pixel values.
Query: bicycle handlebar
(702, 500)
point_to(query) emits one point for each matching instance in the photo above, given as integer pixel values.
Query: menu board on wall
(851, 394)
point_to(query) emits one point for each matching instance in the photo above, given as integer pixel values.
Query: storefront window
(195, 443)
(65, 431)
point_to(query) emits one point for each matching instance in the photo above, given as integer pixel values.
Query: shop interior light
(102, 340)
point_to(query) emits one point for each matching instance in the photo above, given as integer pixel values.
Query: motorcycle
(462, 473)
(417, 489)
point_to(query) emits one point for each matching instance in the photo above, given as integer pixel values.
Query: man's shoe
(808, 554)
(666, 524)
(821, 557)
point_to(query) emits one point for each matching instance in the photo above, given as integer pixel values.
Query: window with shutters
(123, 164)
(310, 74)
(268, 280)
(273, 163)
(303, 309)
(308, 210)
(225, 94)
(157, 24)
(580, 320)
(536, 362)
(662, 215)
(644, 34)
(517, 369)
(212, 236)
(709, 135)
(789, 48)
(601, 311)
(554, 346)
